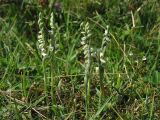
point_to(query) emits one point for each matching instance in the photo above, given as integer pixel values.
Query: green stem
(45, 79)
(87, 81)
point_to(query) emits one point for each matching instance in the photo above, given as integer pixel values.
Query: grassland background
(54, 88)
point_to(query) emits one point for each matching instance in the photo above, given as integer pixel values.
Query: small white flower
(102, 61)
(91, 49)
(136, 61)
(50, 31)
(82, 32)
(40, 36)
(101, 54)
(131, 53)
(106, 32)
(85, 47)
(50, 47)
(83, 38)
(144, 58)
(89, 34)
(97, 69)
(85, 52)
(86, 61)
(82, 43)
(44, 54)
(93, 54)
(41, 46)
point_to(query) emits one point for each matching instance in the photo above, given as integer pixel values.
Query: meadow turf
(80, 60)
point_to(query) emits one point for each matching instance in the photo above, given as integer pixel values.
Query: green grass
(63, 85)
